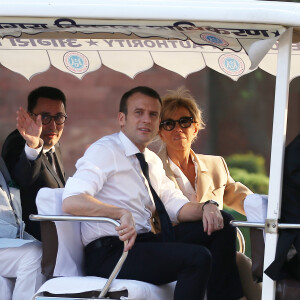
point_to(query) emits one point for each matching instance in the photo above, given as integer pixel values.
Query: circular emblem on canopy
(214, 40)
(231, 64)
(76, 62)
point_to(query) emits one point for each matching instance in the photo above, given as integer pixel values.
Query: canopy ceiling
(126, 37)
(30, 46)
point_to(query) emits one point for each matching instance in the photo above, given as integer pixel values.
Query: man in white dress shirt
(109, 182)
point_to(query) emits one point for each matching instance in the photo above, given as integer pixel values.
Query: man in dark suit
(32, 152)
(290, 213)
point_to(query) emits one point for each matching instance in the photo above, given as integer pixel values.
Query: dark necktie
(166, 225)
(55, 165)
(50, 157)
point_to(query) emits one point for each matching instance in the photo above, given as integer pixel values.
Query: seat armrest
(56, 218)
(236, 223)
(72, 218)
(241, 239)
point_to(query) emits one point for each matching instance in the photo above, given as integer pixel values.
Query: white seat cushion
(137, 290)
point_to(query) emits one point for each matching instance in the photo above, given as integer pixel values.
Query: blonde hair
(181, 97)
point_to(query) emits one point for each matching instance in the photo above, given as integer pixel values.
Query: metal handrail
(247, 224)
(288, 226)
(123, 257)
(262, 225)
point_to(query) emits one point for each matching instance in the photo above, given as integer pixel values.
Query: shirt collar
(183, 182)
(199, 162)
(47, 150)
(129, 147)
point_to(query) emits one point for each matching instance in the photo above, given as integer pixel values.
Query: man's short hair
(139, 89)
(45, 92)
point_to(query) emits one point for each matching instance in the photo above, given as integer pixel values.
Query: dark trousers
(187, 260)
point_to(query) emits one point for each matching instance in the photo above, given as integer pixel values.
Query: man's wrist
(31, 153)
(120, 212)
(35, 145)
(210, 202)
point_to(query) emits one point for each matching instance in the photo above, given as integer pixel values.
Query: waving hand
(29, 128)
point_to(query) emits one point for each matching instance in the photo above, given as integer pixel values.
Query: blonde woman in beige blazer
(213, 180)
(202, 178)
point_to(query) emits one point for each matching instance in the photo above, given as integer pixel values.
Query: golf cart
(181, 36)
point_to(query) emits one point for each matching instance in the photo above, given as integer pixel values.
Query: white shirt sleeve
(255, 206)
(92, 172)
(172, 197)
(31, 153)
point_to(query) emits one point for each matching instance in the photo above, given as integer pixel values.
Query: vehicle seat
(63, 261)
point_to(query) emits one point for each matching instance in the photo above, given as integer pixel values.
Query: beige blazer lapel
(164, 157)
(204, 182)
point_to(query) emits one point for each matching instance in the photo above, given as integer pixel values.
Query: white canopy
(30, 57)
(130, 36)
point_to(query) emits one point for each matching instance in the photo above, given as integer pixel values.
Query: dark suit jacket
(30, 176)
(290, 213)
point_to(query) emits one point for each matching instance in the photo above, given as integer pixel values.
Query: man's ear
(121, 118)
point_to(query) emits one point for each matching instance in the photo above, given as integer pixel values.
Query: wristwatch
(210, 202)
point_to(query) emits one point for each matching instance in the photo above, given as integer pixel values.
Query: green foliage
(257, 183)
(248, 169)
(250, 162)
(259, 75)
(247, 94)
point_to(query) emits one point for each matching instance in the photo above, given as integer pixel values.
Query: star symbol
(92, 43)
(276, 33)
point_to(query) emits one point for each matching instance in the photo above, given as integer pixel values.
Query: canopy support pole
(277, 153)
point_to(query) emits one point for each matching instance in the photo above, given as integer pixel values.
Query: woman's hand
(127, 230)
(212, 218)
